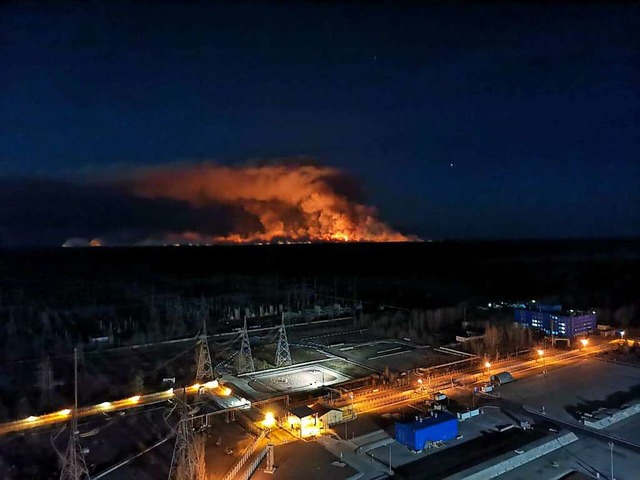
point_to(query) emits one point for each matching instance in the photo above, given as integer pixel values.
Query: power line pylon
(204, 370)
(245, 359)
(45, 381)
(283, 354)
(199, 442)
(188, 461)
(73, 464)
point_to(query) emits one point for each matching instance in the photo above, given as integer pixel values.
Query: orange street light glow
(540, 352)
(195, 386)
(134, 399)
(64, 412)
(31, 418)
(211, 384)
(584, 342)
(487, 364)
(269, 420)
(105, 405)
(226, 391)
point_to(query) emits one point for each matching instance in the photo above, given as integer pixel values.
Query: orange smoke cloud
(291, 202)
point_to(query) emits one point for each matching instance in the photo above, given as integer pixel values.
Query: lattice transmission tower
(73, 465)
(204, 369)
(188, 462)
(245, 359)
(283, 354)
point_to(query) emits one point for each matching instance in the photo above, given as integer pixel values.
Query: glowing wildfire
(291, 202)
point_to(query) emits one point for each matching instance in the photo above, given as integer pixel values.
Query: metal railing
(231, 474)
(246, 475)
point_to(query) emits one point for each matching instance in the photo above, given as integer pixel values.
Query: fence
(231, 474)
(246, 475)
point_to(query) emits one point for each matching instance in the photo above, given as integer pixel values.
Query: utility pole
(611, 448)
(283, 354)
(73, 464)
(204, 370)
(245, 360)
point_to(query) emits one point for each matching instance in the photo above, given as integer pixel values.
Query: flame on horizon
(293, 203)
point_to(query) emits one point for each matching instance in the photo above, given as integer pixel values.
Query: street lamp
(269, 420)
(488, 365)
(544, 360)
(346, 421)
(420, 383)
(584, 342)
(611, 448)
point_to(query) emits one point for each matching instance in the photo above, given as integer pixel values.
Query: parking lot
(573, 387)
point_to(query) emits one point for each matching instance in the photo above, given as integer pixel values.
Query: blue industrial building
(441, 427)
(552, 320)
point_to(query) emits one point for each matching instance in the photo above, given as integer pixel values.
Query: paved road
(378, 398)
(61, 416)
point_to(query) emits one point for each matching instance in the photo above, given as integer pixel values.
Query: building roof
(558, 313)
(301, 411)
(322, 409)
(426, 422)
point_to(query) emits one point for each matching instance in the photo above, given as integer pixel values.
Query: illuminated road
(372, 400)
(48, 419)
(381, 397)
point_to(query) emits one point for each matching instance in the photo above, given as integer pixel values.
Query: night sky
(464, 122)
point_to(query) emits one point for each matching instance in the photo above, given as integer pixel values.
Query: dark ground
(415, 274)
(599, 274)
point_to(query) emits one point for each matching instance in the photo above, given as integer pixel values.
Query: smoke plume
(290, 201)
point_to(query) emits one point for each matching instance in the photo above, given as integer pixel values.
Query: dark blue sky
(537, 107)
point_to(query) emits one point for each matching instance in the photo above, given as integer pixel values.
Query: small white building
(327, 415)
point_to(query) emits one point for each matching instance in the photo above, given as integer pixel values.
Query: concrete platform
(304, 460)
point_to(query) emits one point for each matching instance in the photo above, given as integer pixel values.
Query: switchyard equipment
(440, 427)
